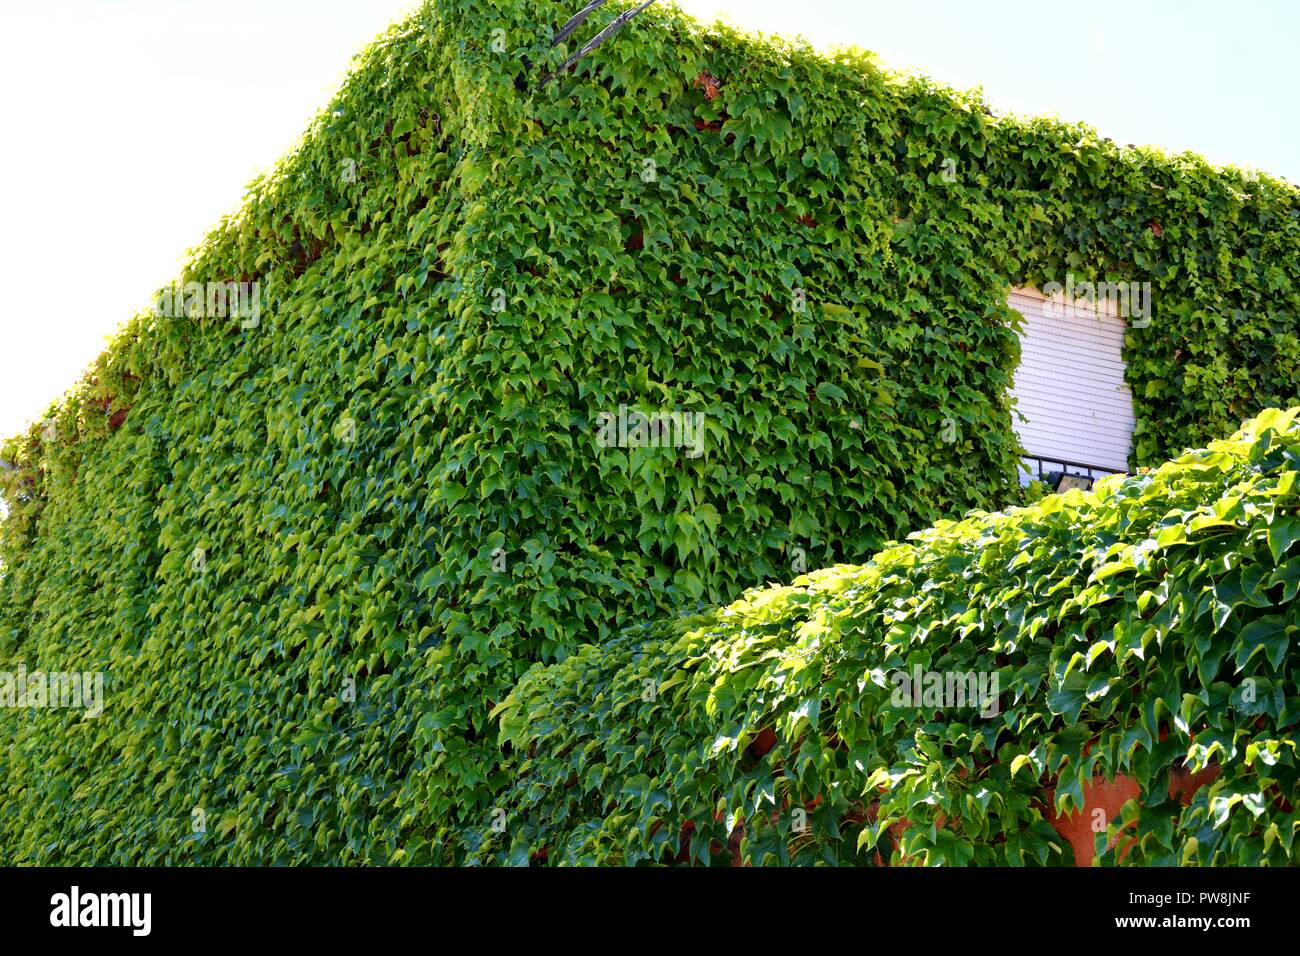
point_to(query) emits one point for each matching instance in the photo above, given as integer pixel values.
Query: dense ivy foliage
(312, 552)
(1147, 628)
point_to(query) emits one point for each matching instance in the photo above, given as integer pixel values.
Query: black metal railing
(1042, 468)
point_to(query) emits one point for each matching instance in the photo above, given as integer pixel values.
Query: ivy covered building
(314, 549)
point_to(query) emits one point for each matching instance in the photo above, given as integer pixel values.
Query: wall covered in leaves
(1146, 629)
(312, 549)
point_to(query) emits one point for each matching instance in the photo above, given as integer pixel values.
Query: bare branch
(597, 40)
(576, 22)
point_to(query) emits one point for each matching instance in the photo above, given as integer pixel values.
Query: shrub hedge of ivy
(313, 553)
(1147, 628)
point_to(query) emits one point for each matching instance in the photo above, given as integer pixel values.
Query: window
(1077, 410)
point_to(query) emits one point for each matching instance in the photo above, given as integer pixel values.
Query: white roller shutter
(1070, 384)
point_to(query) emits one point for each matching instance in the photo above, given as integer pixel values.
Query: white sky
(131, 126)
